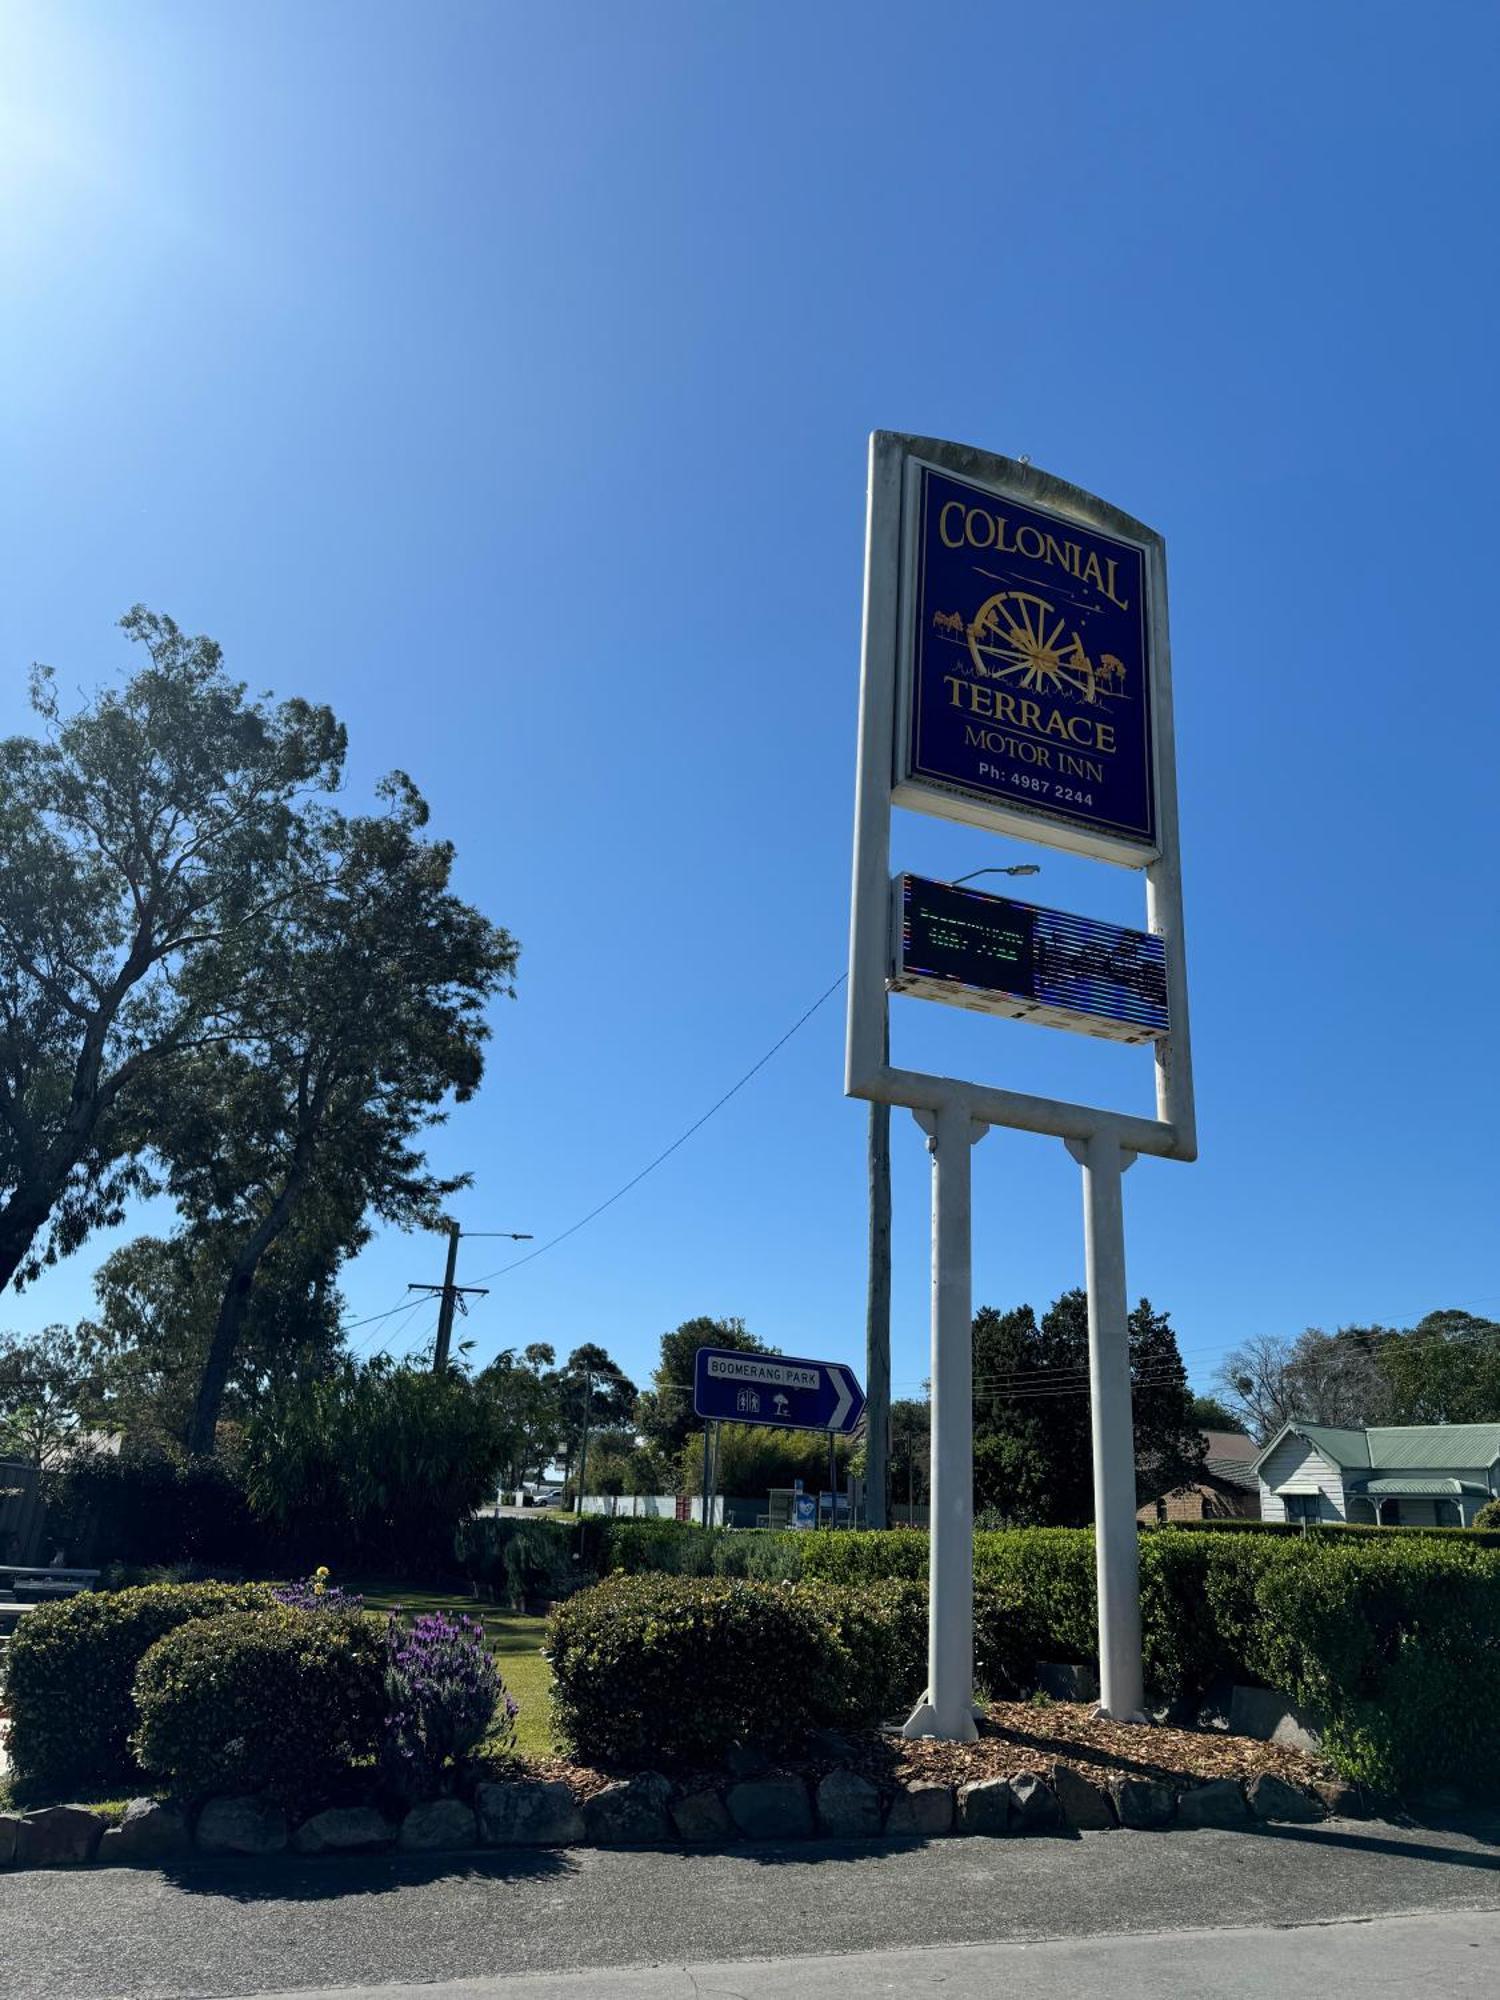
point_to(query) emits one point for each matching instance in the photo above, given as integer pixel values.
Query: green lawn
(515, 1637)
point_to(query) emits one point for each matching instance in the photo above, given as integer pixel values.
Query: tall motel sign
(1016, 676)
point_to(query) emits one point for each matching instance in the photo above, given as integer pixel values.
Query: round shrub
(279, 1701)
(70, 1671)
(673, 1670)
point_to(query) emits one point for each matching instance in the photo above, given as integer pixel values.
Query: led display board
(1026, 698)
(1004, 957)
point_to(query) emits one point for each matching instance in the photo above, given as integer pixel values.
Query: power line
(348, 1325)
(410, 1309)
(680, 1140)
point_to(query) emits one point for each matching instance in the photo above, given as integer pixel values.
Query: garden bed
(1055, 1771)
(1015, 1738)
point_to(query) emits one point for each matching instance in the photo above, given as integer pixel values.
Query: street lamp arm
(1020, 868)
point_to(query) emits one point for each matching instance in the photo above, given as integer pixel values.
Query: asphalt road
(337, 1929)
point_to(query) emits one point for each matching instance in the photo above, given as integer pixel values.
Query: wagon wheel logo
(1018, 637)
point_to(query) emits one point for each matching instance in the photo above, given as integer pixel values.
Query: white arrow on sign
(846, 1396)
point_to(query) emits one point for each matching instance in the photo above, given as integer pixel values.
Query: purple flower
(446, 1698)
(311, 1595)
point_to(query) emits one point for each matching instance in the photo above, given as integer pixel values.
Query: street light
(1020, 868)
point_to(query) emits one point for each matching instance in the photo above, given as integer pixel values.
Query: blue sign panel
(774, 1389)
(1003, 957)
(1030, 687)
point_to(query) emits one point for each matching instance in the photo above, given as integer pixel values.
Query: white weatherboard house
(1417, 1475)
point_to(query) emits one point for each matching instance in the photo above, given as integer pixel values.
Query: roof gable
(1349, 1450)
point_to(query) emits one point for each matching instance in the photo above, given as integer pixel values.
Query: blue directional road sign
(776, 1389)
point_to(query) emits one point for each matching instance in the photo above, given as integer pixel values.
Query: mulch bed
(1016, 1736)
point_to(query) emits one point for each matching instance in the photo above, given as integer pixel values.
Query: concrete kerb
(648, 1810)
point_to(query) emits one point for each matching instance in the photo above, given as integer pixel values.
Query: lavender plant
(316, 1593)
(444, 1698)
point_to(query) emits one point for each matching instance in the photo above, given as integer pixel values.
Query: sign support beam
(947, 1710)
(1116, 1537)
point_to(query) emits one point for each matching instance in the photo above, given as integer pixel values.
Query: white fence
(637, 1506)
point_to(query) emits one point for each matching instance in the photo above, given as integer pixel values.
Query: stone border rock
(648, 1810)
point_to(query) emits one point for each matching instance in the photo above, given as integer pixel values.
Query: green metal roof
(1413, 1488)
(1345, 1448)
(1419, 1445)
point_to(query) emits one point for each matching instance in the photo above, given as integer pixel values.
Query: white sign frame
(895, 460)
(955, 1113)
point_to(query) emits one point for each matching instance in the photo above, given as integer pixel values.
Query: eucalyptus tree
(157, 1304)
(140, 836)
(345, 1024)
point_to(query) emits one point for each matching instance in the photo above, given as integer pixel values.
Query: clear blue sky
(502, 375)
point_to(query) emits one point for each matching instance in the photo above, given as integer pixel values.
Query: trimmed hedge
(70, 1670)
(676, 1670)
(1394, 1639)
(277, 1701)
(1485, 1533)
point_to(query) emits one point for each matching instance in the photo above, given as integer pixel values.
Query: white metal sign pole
(1116, 1538)
(947, 1710)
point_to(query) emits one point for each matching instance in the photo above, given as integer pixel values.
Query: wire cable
(681, 1140)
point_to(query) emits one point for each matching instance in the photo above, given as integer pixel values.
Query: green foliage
(1033, 1600)
(1212, 1413)
(157, 1302)
(911, 1453)
(1445, 1371)
(136, 834)
(1488, 1515)
(674, 1670)
(1393, 1637)
(47, 1387)
(279, 1701)
(1333, 1531)
(860, 1557)
(664, 1412)
(1398, 1644)
(662, 1548)
(879, 1631)
(151, 1506)
(349, 1017)
(70, 1671)
(528, 1409)
(1032, 1445)
(513, 1559)
(752, 1458)
(376, 1465)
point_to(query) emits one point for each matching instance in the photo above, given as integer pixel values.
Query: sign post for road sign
(1016, 677)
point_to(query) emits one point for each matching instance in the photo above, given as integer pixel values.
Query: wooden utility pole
(452, 1296)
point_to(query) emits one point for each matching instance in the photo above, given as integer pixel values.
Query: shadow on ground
(330, 1877)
